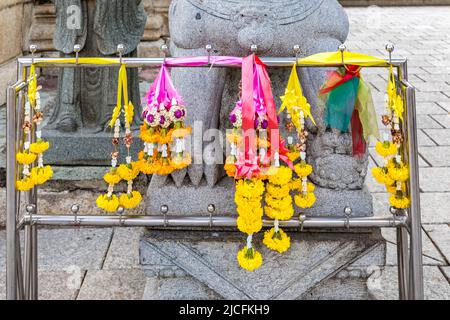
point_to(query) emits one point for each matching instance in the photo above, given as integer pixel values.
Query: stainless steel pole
(34, 263)
(155, 62)
(403, 263)
(20, 288)
(402, 232)
(416, 264)
(206, 222)
(11, 205)
(27, 260)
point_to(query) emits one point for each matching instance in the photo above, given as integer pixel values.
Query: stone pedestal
(85, 148)
(202, 265)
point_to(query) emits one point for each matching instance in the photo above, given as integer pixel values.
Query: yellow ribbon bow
(395, 101)
(294, 100)
(32, 86)
(122, 87)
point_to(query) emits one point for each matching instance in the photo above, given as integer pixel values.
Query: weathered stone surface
(192, 200)
(42, 27)
(8, 71)
(81, 249)
(182, 288)
(207, 259)
(383, 286)
(113, 285)
(65, 198)
(11, 25)
(436, 156)
(150, 49)
(440, 235)
(52, 285)
(123, 251)
(431, 255)
(443, 119)
(441, 136)
(434, 207)
(434, 179)
(85, 148)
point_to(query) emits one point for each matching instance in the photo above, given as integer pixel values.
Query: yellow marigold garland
(298, 110)
(249, 258)
(32, 151)
(127, 171)
(279, 206)
(278, 241)
(248, 199)
(395, 172)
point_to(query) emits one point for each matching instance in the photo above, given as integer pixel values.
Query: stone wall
(14, 24)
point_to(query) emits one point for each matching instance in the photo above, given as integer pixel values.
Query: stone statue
(275, 26)
(86, 96)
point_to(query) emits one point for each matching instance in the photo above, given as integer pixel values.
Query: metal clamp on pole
(33, 49)
(342, 49)
(120, 211)
(120, 51)
(75, 208)
(165, 51)
(164, 209)
(254, 48)
(76, 49)
(208, 49)
(302, 218)
(30, 209)
(211, 210)
(348, 213)
(390, 48)
(296, 52)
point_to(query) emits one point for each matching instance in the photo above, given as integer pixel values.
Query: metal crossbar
(21, 281)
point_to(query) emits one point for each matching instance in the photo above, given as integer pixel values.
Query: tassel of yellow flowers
(128, 171)
(298, 109)
(248, 199)
(32, 151)
(395, 172)
(278, 207)
(305, 198)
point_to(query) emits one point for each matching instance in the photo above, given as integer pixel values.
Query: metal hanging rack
(21, 280)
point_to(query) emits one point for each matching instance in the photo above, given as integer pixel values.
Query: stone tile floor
(104, 263)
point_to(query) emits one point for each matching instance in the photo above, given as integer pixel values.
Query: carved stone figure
(275, 26)
(87, 96)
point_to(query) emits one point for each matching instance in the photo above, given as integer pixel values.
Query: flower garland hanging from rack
(395, 172)
(127, 171)
(33, 151)
(256, 151)
(278, 197)
(164, 130)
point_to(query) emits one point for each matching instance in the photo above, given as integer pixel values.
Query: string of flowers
(129, 170)
(256, 153)
(31, 151)
(298, 109)
(248, 199)
(164, 130)
(395, 171)
(278, 207)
